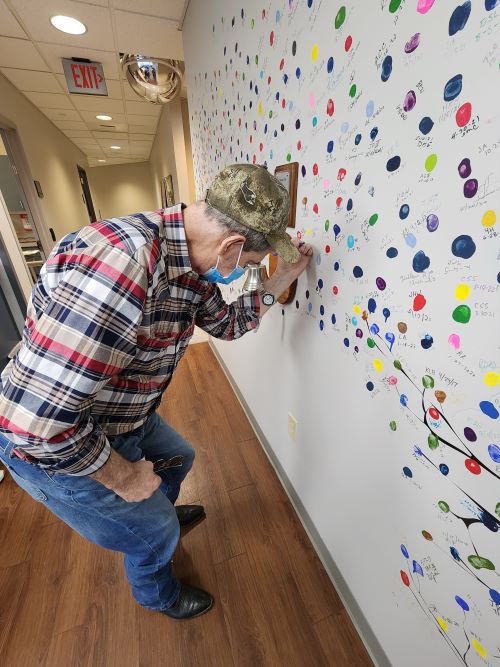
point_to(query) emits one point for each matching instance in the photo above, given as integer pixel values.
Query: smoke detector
(157, 80)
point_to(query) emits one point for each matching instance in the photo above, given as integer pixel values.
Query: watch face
(268, 299)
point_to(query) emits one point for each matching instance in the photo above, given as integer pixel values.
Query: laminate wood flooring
(66, 603)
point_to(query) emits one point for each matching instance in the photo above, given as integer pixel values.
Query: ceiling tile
(8, 24)
(61, 114)
(53, 53)
(168, 9)
(141, 137)
(78, 134)
(143, 109)
(25, 80)
(50, 100)
(20, 54)
(100, 105)
(90, 117)
(36, 17)
(143, 121)
(137, 33)
(66, 125)
(111, 137)
(144, 129)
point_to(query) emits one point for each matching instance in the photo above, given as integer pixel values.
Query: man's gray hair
(255, 241)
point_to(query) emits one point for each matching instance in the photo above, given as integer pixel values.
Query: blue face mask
(213, 275)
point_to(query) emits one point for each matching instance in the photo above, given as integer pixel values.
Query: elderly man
(108, 321)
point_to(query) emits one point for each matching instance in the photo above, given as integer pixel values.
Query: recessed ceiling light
(101, 160)
(104, 117)
(68, 24)
(115, 148)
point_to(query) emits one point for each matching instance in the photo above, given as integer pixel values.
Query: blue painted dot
(297, 124)
(373, 133)
(321, 310)
(303, 170)
(454, 553)
(329, 65)
(344, 127)
(420, 262)
(443, 468)
(426, 125)
(336, 230)
(297, 72)
(309, 307)
(321, 325)
(459, 18)
(329, 146)
(336, 266)
(318, 260)
(427, 342)
(489, 409)
(393, 163)
(349, 204)
(370, 386)
(370, 108)
(407, 472)
(494, 452)
(391, 252)
(463, 246)
(357, 272)
(404, 211)
(320, 283)
(495, 596)
(285, 79)
(490, 4)
(346, 342)
(334, 319)
(372, 305)
(357, 180)
(357, 139)
(453, 88)
(410, 240)
(404, 551)
(386, 69)
(350, 241)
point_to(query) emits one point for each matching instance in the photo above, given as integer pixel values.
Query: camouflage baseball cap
(249, 194)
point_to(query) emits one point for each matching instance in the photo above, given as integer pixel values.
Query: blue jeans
(147, 532)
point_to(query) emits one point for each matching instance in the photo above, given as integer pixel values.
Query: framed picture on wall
(167, 191)
(287, 175)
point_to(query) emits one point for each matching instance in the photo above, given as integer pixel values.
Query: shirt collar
(178, 260)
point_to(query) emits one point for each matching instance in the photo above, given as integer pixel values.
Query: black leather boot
(189, 514)
(191, 602)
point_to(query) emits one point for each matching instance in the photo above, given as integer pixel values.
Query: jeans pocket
(30, 488)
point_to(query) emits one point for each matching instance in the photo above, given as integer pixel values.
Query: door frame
(86, 193)
(15, 151)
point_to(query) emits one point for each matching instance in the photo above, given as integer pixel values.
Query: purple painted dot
(410, 101)
(432, 222)
(464, 168)
(359, 333)
(470, 434)
(381, 284)
(412, 43)
(470, 187)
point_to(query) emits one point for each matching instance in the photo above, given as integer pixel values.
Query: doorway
(87, 197)
(20, 214)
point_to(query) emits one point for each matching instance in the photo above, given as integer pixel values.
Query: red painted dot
(254, 159)
(404, 578)
(338, 201)
(315, 208)
(419, 302)
(261, 146)
(341, 174)
(250, 138)
(348, 43)
(271, 38)
(315, 169)
(299, 145)
(335, 290)
(434, 413)
(263, 14)
(283, 103)
(268, 80)
(330, 107)
(282, 63)
(463, 114)
(327, 249)
(473, 466)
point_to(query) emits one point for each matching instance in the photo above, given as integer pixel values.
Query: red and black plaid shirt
(107, 323)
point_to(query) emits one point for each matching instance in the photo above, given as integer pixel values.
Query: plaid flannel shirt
(108, 321)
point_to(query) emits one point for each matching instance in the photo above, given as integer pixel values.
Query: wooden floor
(65, 602)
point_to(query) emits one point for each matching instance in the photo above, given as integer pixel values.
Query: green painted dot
(327, 225)
(270, 114)
(394, 5)
(373, 219)
(397, 364)
(428, 381)
(352, 90)
(288, 157)
(497, 509)
(256, 59)
(230, 122)
(243, 76)
(315, 121)
(370, 342)
(340, 18)
(430, 162)
(461, 313)
(480, 562)
(433, 441)
(392, 425)
(252, 23)
(443, 506)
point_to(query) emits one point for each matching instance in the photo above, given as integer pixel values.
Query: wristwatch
(268, 299)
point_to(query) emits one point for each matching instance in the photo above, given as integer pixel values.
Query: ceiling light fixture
(104, 117)
(68, 24)
(115, 148)
(101, 160)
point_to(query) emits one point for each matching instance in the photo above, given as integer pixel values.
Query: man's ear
(229, 242)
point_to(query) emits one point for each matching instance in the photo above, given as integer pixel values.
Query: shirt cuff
(249, 304)
(87, 460)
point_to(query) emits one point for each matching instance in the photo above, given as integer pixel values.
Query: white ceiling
(30, 57)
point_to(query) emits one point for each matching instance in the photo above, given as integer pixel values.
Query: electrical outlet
(292, 426)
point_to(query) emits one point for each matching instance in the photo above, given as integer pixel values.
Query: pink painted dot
(423, 6)
(326, 184)
(299, 145)
(348, 43)
(312, 100)
(393, 380)
(454, 341)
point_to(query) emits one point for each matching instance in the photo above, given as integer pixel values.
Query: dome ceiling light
(156, 80)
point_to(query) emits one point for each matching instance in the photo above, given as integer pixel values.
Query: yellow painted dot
(492, 378)
(220, 92)
(378, 365)
(308, 231)
(442, 623)
(314, 52)
(357, 308)
(489, 219)
(462, 291)
(259, 109)
(480, 650)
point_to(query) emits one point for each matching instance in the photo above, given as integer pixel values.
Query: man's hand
(131, 481)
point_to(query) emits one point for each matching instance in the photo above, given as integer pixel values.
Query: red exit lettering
(85, 76)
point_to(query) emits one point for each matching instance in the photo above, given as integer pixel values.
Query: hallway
(65, 602)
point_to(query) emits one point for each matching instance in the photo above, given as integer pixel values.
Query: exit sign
(84, 77)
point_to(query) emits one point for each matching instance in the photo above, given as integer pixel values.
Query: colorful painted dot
(462, 291)
(430, 162)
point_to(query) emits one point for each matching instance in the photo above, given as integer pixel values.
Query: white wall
(367, 488)
(122, 189)
(52, 158)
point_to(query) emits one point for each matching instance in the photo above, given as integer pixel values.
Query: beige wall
(162, 159)
(122, 189)
(52, 159)
(189, 152)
